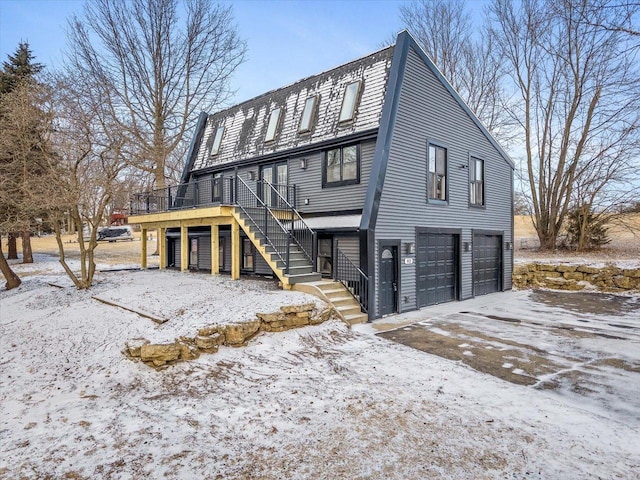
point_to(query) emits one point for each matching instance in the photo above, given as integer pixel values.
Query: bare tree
(466, 56)
(579, 101)
(84, 166)
(155, 64)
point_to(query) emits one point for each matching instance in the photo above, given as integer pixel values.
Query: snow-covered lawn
(316, 402)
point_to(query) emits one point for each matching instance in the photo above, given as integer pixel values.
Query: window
(217, 141)
(348, 109)
(307, 114)
(341, 166)
(273, 124)
(247, 255)
(437, 181)
(476, 181)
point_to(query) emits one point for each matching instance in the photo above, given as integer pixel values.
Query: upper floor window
(274, 118)
(476, 181)
(217, 141)
(437, 181)
(348, 109)
(307, 114)
(341, 166)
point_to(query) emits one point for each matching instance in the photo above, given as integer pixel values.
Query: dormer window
(217, 141)
(348, 109)
(307, 114)
(273, 124)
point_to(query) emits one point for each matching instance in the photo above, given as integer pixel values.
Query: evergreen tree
(19, 67)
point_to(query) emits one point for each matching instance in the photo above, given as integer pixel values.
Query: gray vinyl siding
(351, 247)
(227, 250)
(308, 183)
(204, 253)
(176, 252)
(427, 112)
(262, 267)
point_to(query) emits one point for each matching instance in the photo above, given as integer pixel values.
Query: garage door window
(437, 182)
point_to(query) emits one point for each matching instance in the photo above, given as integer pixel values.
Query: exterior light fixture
(466, 246)
(303, 163)
(252, 175)
(410, 248)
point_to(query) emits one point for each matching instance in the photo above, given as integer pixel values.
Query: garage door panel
(487, 264)
(437, 268)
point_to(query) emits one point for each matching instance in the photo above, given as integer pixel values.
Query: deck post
(162, 247)
(235, 250)
(184, 248)
(215, 248)
(143, 259)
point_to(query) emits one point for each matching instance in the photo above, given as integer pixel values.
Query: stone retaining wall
(576, 277)
(209, 339)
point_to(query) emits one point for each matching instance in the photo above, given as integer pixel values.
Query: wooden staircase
(300, 268)
(337, 295)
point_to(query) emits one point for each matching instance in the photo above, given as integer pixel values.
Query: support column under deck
(215, 248)
(162, 247)
(184, 248)
(143, 259)
(235, 250)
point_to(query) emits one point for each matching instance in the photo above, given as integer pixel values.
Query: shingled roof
(245, 125)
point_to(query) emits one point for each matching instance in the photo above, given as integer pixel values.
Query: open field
(120, 253)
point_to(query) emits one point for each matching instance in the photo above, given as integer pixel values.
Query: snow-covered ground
(316, 402)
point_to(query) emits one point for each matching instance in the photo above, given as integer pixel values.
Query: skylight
(307, 114)
(349, 101)
(217, 141)
(273, 123)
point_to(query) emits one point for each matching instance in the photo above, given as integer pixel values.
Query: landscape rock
(208, 344)
(208, 339)
(298, 308)
(160, 354)
(134, 345)
(237, 334)
(566, 268)
(188, 350)
(566, 277)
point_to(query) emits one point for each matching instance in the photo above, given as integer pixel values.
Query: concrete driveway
(580, 345)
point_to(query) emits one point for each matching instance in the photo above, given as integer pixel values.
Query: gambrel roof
(245, 125)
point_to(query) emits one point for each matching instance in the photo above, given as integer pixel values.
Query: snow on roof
(245, 124)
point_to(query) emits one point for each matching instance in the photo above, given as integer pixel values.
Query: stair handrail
(297, 220)
(267, 237)
(358, 288)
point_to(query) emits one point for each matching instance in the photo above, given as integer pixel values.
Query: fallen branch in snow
(150, 316)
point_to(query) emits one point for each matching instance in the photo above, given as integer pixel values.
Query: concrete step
(347, 310)
(343, 301)
(356, 318)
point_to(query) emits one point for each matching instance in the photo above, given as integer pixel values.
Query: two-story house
(374, 174)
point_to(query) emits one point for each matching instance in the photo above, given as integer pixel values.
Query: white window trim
(308, 112)
(274, 119)
(348, 109)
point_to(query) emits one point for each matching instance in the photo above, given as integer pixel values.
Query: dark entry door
(487, 264)
(437, 268)
(388, 279)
